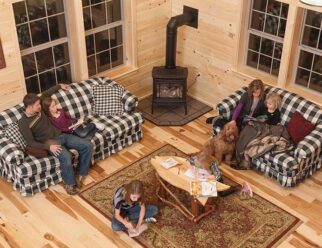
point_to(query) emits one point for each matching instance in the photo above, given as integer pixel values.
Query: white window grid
(314, 51)
(105, 27)
(49, 44)
(262, 34)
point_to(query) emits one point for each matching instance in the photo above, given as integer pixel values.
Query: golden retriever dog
(222, 146)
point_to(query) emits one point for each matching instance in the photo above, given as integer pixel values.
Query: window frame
(75, 38)
(50, 44)
(300, 47)
(106, 27)
(261, 34)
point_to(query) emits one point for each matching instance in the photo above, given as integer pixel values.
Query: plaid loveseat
(29, 174)
(292, 167)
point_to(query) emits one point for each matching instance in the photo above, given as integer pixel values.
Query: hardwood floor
(54, 219)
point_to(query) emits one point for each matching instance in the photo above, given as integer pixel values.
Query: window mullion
(44, 46)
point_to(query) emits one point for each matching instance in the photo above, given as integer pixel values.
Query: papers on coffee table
(196, 173)
(203, 188)
(168, 163)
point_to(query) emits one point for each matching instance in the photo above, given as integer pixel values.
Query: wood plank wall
(151, 17)
(210, 51)
(12, 89)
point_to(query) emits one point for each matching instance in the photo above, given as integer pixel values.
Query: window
(103, 25)
(309, 68)
(266, 30)
(42, 36)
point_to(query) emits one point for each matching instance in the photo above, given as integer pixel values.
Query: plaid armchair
(293, 167)
(29, 174)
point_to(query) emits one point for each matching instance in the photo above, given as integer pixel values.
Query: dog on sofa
(222, 146)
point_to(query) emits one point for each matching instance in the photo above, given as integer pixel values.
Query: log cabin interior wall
(213, 52)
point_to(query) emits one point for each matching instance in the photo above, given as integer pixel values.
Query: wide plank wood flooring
(54, 219)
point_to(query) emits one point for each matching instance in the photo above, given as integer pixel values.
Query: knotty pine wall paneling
(209, 51)
(152, 17)
(11, 77)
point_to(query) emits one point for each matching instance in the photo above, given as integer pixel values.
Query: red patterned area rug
(237, 222)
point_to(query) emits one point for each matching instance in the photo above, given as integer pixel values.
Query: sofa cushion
(107, 100)
(117, 126)
(12, 132)
(298, 127)
(77, 99)
(36, 166)
(11, 115)
(10, 154)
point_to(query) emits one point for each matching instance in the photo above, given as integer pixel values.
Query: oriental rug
(237, 222)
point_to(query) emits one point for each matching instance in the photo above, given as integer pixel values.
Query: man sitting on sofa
(39, 133)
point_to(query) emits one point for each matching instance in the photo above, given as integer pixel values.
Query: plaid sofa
(293, 167)
(30, 175)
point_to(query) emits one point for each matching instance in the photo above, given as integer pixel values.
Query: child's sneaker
(150, 220)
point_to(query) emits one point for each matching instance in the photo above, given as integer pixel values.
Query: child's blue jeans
(133, 214)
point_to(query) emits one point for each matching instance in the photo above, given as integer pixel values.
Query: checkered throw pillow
(12, 133)
(107, 99)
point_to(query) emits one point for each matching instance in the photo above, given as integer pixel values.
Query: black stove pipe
(171, 45)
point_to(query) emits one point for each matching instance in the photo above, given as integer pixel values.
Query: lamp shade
(313, 2)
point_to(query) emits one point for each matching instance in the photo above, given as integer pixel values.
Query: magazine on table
(169, 163)
(203, 188)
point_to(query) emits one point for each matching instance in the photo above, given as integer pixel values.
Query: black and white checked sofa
(30, 175)
(293, 167)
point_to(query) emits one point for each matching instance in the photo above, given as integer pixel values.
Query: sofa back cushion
(12, 133)
(77, 99)
(107, 99)
(11, 115)
(292, 102)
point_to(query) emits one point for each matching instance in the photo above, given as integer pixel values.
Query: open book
(79, 122)
(261, 118)
(137, 231)
(203, 188)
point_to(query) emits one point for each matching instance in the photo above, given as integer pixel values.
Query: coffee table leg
(195, 207)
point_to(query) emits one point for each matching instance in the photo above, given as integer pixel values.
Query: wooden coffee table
(200, 207)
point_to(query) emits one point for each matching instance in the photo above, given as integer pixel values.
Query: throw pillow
(107, 99)
(298, 127)
(12, 133)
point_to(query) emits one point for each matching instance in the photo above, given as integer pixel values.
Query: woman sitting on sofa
(64, 122)
(252, 103)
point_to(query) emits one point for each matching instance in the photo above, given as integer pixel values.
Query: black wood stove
(170, 81)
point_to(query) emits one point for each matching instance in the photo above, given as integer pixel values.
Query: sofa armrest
(310, 148)
(10, 153)
(226, 106)
(129, 101)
